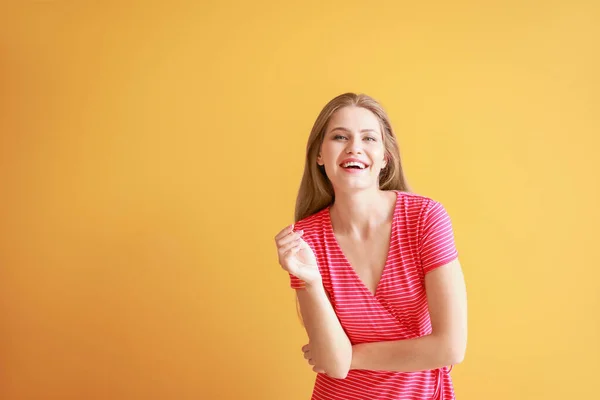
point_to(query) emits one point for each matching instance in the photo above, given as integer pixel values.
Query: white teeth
(354, 164)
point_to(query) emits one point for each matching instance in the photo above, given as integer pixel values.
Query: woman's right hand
(296, 256)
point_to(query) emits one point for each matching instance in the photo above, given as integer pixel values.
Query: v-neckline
(387, 257)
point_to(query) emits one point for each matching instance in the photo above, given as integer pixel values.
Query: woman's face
(352, 151)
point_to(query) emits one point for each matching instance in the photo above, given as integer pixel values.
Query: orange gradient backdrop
(150, 151)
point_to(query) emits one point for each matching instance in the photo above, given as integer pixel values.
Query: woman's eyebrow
(341, 128)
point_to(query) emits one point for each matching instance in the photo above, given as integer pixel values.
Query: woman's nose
(354, 146)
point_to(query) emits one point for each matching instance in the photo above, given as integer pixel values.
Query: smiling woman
(361, 151)
(375, 267)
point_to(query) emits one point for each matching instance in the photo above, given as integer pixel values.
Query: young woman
(375, 268)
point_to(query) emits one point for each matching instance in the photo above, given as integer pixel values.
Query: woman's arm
(330, 347)
(446, 345)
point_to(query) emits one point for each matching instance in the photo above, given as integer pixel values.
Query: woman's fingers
(285, 231)
(288, 244)
(285, 248)
(288, 238)
(307, 356)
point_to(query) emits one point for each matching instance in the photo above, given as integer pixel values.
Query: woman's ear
(319, 159)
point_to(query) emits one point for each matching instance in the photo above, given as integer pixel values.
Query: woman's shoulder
(415, 200)
(420, 207)
(312, 222)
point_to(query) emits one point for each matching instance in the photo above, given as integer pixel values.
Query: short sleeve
(296, 283)
(437, 245)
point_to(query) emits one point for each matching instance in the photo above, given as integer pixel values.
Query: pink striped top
(422, 240)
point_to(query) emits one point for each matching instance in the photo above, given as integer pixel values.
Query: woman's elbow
(456, 357)
(338, 373)
(451, 348)
(340, 368)
(456, 353)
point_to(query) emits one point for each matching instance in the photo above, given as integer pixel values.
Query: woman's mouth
(353, 166)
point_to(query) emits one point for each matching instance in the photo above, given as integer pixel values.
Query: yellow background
(150, 151)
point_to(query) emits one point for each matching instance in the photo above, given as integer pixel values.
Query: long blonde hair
(315, 191)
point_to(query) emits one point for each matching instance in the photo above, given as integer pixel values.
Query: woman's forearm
(424, 353)
(330, 346)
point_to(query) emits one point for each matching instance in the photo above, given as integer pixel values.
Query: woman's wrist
(355, 361)
(317, 284)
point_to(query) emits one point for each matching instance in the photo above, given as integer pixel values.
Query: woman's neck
(358, 214)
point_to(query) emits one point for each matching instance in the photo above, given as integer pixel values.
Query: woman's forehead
(354, 118)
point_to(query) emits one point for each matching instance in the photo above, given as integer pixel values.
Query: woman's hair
(316, 191)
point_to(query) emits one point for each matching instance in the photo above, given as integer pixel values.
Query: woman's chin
(353, 184)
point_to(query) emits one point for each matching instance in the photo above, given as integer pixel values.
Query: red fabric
(421, 240)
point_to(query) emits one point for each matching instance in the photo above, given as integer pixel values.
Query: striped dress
(422, 240)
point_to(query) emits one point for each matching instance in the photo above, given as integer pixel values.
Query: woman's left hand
(309, 357)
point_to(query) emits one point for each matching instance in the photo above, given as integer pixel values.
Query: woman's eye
(371, 138)
(336, 137)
